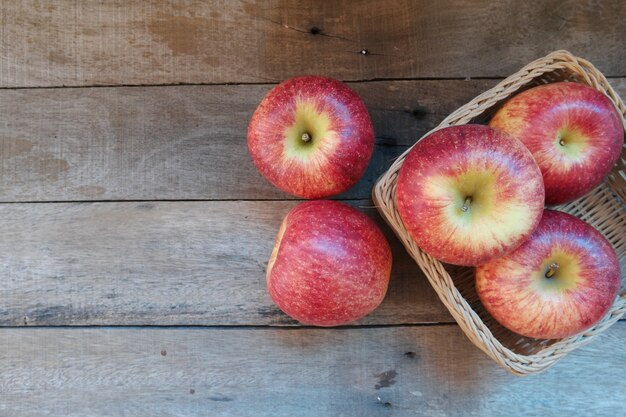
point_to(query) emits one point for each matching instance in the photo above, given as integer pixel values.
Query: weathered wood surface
(182, 142)
(91, 42)
(397, 371)
(164, 263)
(203, 262)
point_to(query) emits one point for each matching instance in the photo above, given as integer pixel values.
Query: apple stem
(306, 137)
(562, 142)
(552, 270)
(466, 204)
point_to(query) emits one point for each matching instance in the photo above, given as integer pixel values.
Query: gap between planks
(233, 327)
(275, 82)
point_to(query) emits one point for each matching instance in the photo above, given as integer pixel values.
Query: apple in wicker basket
(468, 194)
(573, 131)
(330, 264)
(560, 282)
(311, 136)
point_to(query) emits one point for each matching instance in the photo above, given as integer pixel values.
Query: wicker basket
(603, 208)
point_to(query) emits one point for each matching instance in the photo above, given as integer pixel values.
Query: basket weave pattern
(603, 208)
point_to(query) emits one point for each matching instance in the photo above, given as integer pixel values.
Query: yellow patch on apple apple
(309, 132)
(473, 205)
(509, 119)
(571, 145)
(279, 238)
(565, 276)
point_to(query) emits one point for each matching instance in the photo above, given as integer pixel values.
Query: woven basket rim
(383, 194)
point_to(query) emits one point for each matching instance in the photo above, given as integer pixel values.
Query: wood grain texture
(180, 142)
(405, 371)
(183, 142)
(68, 43)
(164, 263)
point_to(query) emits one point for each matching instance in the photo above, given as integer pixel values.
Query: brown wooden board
(125, 262)
(164, 263)
(182, 142)
(393, 371)
(68, 43)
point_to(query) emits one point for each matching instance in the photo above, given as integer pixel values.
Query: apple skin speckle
(330, 266)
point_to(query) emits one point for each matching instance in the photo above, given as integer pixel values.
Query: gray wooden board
(180, 142)
(69, 43)
(203, 262)
(164, 263)
(389, 371)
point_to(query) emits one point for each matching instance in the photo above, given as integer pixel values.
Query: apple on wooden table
(330, 264)
(573, 131)
(560, 282)
(311, 136)
(468, 194)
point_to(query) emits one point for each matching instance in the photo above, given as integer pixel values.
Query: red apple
(311, 137)
(468, 194)
(558, 283)
(573, 131)
(330, 264)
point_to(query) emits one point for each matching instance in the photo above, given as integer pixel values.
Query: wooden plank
(406, 371)
(164, 263)
(69, 43)
(182, 142)
(179, 142)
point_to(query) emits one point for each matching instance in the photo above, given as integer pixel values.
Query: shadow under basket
(603, 208)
